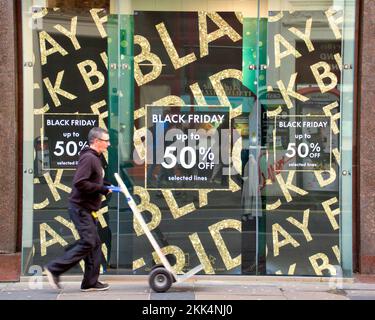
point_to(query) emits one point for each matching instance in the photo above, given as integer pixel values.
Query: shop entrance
(230, 126)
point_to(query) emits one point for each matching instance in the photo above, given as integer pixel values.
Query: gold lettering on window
(44, 53)
(203, 198)
(218, 87)
(169, 101)
(40, 111)
(54, 185)
(224, 29)
(338, 59)
(334, 22)
(325, 181)
(288, 239)
(176, 211)
(273, 206)
(139, 113)
(171, 50)
(234, 187)
(43, 204)
(139, 147)
(139, 263)
(44, 244)
(146, 205)
(102, 115)
(215, 231)
(146, 55)
(337, 155)
(325, 74)
(101, 219)
(99, 21)
(275, 112)
(177, 252)
(239, 16)
(56, 89)
(40, 13)
(324, 265)
(305, 36)
(287, 93)
(331, 213)
(336, 251)
(105, 251)
(198, 95)
(69, 225)
(72, 34)
(88, 75)
(334, 117)
(236, 156)
(286, 186)
(201, 253)
(235, 112)
(276, 17)
(304, 225)
(104, 57)
(290, 50)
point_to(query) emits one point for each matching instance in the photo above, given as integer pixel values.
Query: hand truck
(161, 276)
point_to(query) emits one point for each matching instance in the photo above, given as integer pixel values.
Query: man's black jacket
(88, 184)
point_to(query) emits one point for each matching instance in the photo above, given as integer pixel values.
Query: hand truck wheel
(160, 279)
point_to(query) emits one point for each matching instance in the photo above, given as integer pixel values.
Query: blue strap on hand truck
(113, 188)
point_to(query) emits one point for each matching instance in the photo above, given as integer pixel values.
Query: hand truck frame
(161, 276)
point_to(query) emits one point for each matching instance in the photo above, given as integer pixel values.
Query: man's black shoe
(52, 279)
(97, 287)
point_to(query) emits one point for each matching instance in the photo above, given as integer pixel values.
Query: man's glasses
(103, 139)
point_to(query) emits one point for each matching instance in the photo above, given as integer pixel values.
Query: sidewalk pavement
(198, 288)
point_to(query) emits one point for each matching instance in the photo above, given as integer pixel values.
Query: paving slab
(218, 297)
(3, 286)
(230, 282)
(178, 291)
(28, 295)
(17, 285)
(359, 286)
(172, 296)
(238, 290)
(305, 286)
(313, 296)
(117, 291)
(102, 296)
(359, 297)
(361, 294)
(182, 287)
(298, 289)
(203, 289)
(114, 287)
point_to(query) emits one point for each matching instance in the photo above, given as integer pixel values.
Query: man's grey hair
(96, 133)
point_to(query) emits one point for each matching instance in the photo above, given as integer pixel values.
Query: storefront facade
(233, 123)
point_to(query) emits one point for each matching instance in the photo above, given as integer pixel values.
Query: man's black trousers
(88, 248)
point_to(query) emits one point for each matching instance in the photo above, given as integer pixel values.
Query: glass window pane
(252, 101)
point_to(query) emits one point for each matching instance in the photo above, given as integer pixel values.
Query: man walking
(84, 201)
